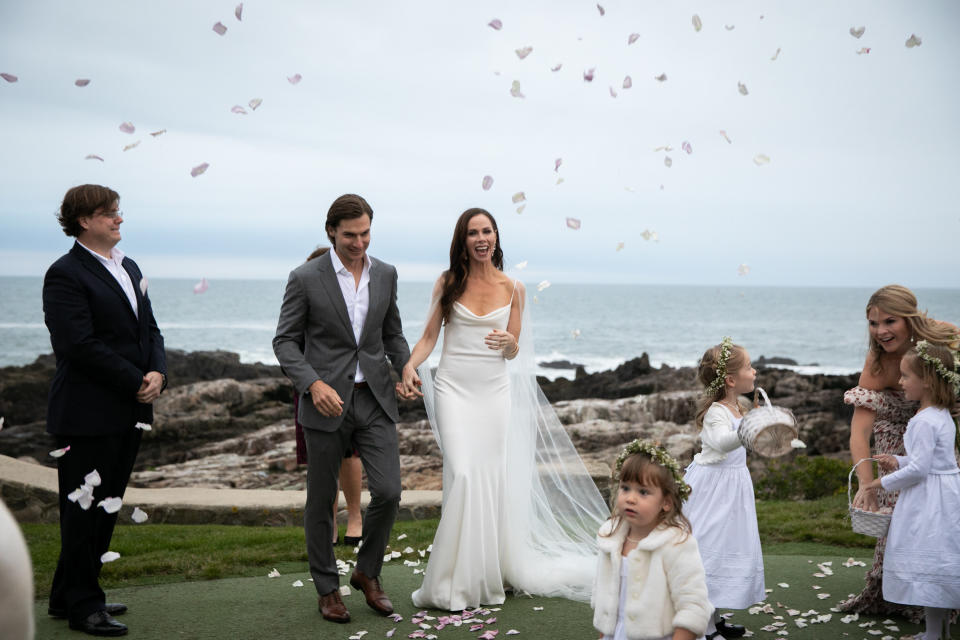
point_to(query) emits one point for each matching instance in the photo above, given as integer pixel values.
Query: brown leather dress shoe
(332, 607)
(376, 598)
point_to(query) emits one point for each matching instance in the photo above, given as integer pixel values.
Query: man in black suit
(111, 366)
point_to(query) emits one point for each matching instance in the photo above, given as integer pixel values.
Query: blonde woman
(881, 410)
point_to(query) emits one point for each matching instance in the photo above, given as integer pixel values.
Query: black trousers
(85, 535)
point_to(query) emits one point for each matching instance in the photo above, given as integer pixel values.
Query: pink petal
(524, 52)
(627, 82)
(613, 94)
(219, 28)
(9, 77)
(601, 10)
(239, 11)
(256, 102)
(295, 78)
(476, 627)
(725, 136)
(519, 196)
(199, 169)
(495, 24)
(238, 109)
(158, 133)
(391, 632)
(81, 82)
(557, 163)
(633, 38)
(863, 50)
(588, 75)
(557, 68)
(515, 90)
(201, 286)
(687, 147)
(573, 223)
(93, 156)
(127, 127)
(58, 453)
(490, 620)
(487, 182)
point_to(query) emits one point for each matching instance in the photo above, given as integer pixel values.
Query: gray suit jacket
(315, 341)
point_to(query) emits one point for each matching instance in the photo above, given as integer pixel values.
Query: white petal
(139, 515)
(201, 287)
(93, 156)
(199, 169)
(782, 585)
(401, 536)
(239, 11)
(143, 426)
(92, 478)
(495, 24)
(796, 443)
(856, 32)
(913, 41)
(521, 208)
(256, 102)
(627, 82)
(761, 159)
(520, 266)
(573, 223)
(515, 90)
(219, 28)
(143, 292)
(297, 583)
(668, 161)
(560, 180)
(776, 55)
(519, 196)
(742, 88)
(661, 78)
(524, 52)
(56, 453)
(543, 285)
(274, 573)
(344, 590)
(633, 37)
(111, 505)
(295, 78)
(238, 109)
(743, 269)
(619, 246)
(697, 25)
(9, 77)
(127, 127)
(81, 82)
(487, 183)
(613, 94)
(109, 556)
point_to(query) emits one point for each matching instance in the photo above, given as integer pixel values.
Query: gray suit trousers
(368, 429)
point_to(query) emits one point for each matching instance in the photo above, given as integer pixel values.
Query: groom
(338, 324)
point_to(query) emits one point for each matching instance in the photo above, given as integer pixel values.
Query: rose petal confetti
(254, 103)
(495, 24)
(201, 287)
(390, 633)
(56, 453)
(93, 156)
(729, 27)
(620, 246)
(650, 235)
(863, 50)
(742, 88)
(782, 585)
(9, 77)
(557, 163)
(796, 443)
(601, 10)
(512, 632)
(239, 11)
(143, 292)
(588, 74)
(219, 28)
(127, 127)
(199, 169)
(686, 146)
(697, 25)
(627, 82)
(238, 109)
(573, 223)
(725, 136)
(743, 269)
(132, 145)
(661, 78)
(538, 608)
(83, 496)
(543, 285)
(523, 52)
(297, 583)
(158, 133)
(557, 68)
(633, 37)
(295, 78)
(92, 478)
(515, 90)
(761, 159)
(560, 180)
(913, 41)
(487, 183)
(520, 266)
(143, 426)
(274, 573)
(139, 515)
(344, 590)
(111, 505)
(519, 196)
(81, 82)
(665, 147)
(856, 32)
(823, 596)
(776, 54)
(613, 93)
(109, 556)
(521, 208)
(667, 160)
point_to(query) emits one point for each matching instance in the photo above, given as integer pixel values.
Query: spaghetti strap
(514, 292)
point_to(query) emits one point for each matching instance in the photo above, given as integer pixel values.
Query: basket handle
(756, 401)
(850, 482)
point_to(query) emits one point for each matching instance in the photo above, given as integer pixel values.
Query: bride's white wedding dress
(519, 508)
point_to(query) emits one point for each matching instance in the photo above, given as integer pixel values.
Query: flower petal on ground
(297, 583)
(109, 556)
(274, 573)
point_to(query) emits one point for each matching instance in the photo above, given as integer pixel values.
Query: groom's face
(351, 238)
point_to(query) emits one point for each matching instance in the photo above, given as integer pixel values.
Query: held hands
(150, 388)
(325, 399)
(502, 341)
(409, 386)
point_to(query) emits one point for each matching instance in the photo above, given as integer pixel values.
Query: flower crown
(950, 376)
(726, 346)
(658, 455)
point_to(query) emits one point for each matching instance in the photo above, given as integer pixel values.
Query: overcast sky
(409, 104)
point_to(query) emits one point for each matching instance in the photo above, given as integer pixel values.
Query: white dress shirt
(114, 265)
(356, 296)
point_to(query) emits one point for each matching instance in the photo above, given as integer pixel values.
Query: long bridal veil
(552, 508)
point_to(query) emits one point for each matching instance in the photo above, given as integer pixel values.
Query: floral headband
(661, 457)
(726, 346)
(950, 376)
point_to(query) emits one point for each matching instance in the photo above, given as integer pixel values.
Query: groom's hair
(82, 201)
(346, 207)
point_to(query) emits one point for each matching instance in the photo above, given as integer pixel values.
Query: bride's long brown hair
(455, 278)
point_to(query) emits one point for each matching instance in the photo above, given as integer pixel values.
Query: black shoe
(113, 608)
(100, 623)
(730, 630)
(352, 541)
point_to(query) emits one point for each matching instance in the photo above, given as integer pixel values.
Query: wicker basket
(869, 523)
(768, 430)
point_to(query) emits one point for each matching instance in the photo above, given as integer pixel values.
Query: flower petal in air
(274, 573)
(239, 11)
(725, 136)
(521, 208)
(856, 32)
(487, 183)
(158, 133)
(143, 291)
(613, 93)
(523, 52)
(9, 77)
(687, 147)
(573, 223)
(143, 426)
(520, 266)
(588, 74)
(295, 78)
(620, 246)
(81, 82)
(92, 478)
(729, 27)
(543, 285)
(256, 102)
(661, 78)
(201, 287)
(557, 163)
(743, 269)
(697, 24)
(515, 90)
(139, 515)
(913, 41)
(199, 169)
(797, 443)
(742, 88)
(863, 50)
(668, 161)
(127, 127)
(761, 159)
(495, 24)
(627, 82)
(132, 145)
(602, 11)
(633, 37)
(109, 556)
(519, 196)
(111, 505)
(238, 109)
(219, 28)
(557, 68)
(56, 453)
(776, 54)
(93, 156)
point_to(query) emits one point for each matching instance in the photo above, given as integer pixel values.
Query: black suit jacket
(102, 348)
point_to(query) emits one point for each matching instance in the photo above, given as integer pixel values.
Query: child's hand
(887, 462)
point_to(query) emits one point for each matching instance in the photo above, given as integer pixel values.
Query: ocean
(599, 326)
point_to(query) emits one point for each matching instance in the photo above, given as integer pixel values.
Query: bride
(519, 509)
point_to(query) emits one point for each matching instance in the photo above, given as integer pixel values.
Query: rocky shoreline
(225, 424)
